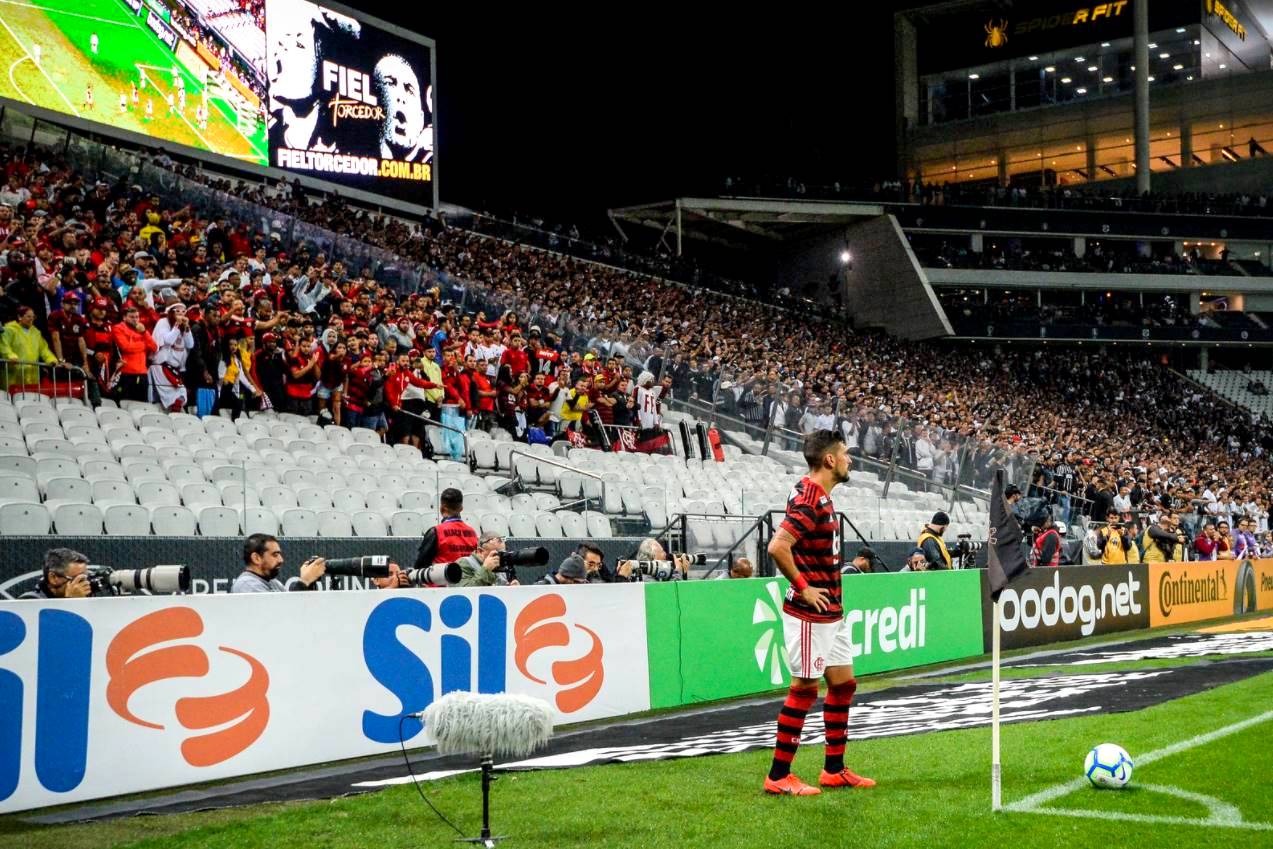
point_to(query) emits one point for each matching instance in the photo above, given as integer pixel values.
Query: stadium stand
(933, 412)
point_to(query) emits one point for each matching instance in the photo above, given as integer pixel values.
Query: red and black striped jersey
(811, 520)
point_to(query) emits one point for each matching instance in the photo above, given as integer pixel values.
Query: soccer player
(168, 99)
(123, 102)
(817, 636)
(181, 99)
(88, 96)
(134, 85)
(35, 52)
(150, 108)
(92, 43)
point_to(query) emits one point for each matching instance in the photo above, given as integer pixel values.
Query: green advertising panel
(717, 639)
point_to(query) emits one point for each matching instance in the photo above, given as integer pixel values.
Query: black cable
(402, 743)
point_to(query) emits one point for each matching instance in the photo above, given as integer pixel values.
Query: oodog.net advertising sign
(208, 687)
(1068, 603)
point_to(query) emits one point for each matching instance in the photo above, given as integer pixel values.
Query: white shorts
(814, 646)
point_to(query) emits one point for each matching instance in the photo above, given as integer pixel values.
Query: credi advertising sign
(1191, 592)
(1068, 603)
(735, 628)
(112, 696)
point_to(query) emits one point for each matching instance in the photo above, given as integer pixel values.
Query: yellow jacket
(27, 345)
(433, 374)
(1114, 555)
(1153, 554)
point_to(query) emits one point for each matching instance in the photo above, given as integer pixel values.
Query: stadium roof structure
(744, 222)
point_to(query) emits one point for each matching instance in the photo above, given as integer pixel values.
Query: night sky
(566, 115)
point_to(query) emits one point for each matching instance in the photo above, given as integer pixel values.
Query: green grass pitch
(62, 30)
(933, 792)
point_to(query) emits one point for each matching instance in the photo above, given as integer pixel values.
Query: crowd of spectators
(256, 322)
(1064, 259)
(247, 66)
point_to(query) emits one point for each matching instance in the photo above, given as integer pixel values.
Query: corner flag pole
(996, 787)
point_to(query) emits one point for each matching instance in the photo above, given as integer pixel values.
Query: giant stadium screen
(302, 87)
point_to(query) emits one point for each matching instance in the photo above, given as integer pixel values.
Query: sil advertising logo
(550, 650)
(158, 646)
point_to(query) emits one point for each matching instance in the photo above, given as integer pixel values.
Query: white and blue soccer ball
(1108, 766)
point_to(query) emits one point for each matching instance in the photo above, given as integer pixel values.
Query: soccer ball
(1108, 766)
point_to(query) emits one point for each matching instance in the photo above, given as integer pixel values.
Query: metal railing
(26, 376)
(549, 461)
(463, 433)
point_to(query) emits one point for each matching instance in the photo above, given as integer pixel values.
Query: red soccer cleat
(789, 786)
(844, 778)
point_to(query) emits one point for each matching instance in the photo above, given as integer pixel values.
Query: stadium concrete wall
(886, 287)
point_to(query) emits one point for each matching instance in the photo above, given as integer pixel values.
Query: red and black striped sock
(835, 716)
(790, 724)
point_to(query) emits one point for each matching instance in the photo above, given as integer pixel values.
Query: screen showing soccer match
(283, 83)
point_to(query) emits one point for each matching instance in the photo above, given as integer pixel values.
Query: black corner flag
(1005, 559)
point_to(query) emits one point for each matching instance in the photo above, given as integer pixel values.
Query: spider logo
(996, 34)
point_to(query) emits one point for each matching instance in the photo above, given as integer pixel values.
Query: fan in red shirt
(515, 357)
(67, 327)
(817, 634)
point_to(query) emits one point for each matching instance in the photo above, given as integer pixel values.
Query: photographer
(864, 562)
(916, 561)
(931, 543)
(740, 568)
(481, 568)
(263, 559)
(571, 571)
(1116, 545)
(598, 572)
(651, 559)
(451, 539)
(1046, 550)
(1163, 543)
(64, 576)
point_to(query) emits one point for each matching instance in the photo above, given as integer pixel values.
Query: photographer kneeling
(482, 567)
(65, 576)
(652, 560)
(263, 559)
(931, 543)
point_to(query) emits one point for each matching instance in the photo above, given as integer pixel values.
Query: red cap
(101, 303)
(269, 337)
(70, 296)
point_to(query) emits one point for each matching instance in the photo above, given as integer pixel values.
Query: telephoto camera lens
(373, 566)
(437, 575)
(156, 580)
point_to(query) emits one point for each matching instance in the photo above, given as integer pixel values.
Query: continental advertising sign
(1052, 605)
(1191, 592)
(717, 639)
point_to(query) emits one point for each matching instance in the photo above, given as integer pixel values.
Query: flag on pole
(1005, 557)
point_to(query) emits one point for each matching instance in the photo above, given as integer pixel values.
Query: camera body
(967, 550)
(155, 580)
(510, 560)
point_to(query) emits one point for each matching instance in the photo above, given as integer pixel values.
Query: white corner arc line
(1145, 818)
(1030, 803)
(18, 42)
(13, 82)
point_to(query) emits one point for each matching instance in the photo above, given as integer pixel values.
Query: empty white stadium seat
(299, 522)
(24, 519)
(334, 523)
(79, 520)
(259, 520)
(407, 523)
(598, 525)
(168, 521)
(522, 525)
(125, 520)
(218, 522)
(369, 524)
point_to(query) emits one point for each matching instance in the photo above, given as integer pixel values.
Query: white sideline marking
(65, 12)
(1222, 814)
